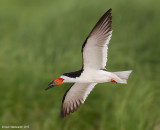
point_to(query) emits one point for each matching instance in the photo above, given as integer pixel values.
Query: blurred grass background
(41, 40)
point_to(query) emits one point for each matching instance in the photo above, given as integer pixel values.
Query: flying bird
(93, 71)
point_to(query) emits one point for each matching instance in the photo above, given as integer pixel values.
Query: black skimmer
(94, 51)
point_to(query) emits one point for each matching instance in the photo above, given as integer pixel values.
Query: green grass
(41, 40)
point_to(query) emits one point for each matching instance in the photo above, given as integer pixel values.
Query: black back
(74, 74)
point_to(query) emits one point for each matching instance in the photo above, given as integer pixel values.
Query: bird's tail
(122, 76)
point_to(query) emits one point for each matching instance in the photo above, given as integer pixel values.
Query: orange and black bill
(51, 85)
(54, 83)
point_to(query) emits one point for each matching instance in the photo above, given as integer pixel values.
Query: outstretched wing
(75, 96)
(95, 46)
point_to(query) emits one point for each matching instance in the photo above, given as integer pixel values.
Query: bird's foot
(113, 80)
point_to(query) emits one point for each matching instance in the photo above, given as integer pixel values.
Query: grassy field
(41, 40)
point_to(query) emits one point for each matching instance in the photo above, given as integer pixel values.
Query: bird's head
(55, 82)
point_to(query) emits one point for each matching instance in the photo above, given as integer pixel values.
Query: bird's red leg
(113, 80)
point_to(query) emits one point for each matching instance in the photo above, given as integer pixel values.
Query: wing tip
(75, 106)
(109, 10)
(62, 113)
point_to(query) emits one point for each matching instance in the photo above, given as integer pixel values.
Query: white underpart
(98, 76)
(87, 92)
